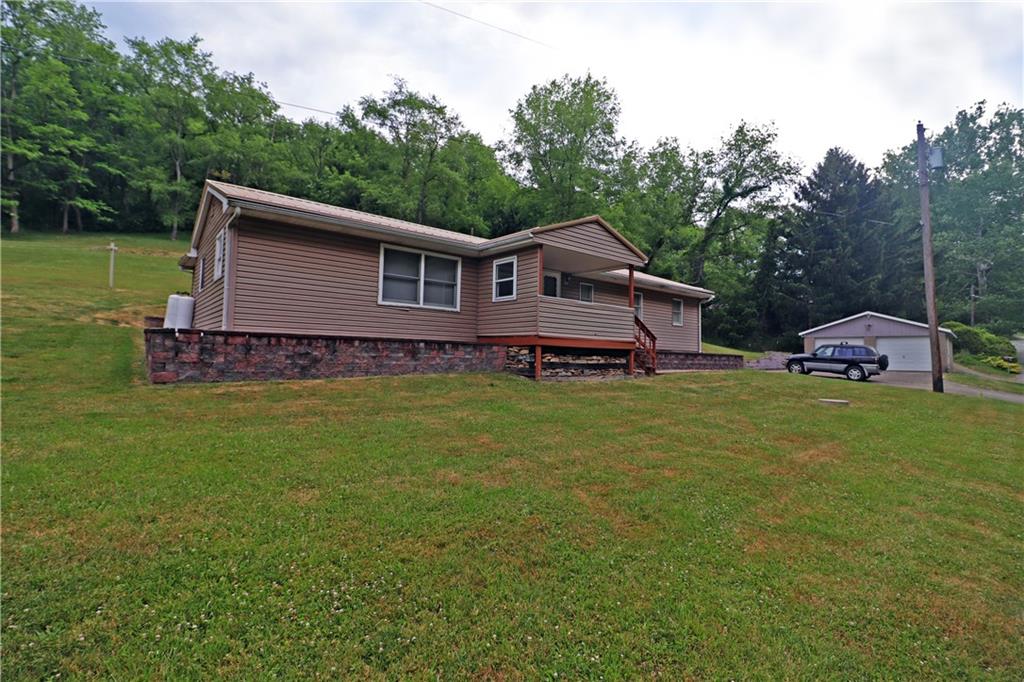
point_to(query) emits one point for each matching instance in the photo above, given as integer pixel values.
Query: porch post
(629, 293)
(540, 270)
(630, 288)
(536, 362)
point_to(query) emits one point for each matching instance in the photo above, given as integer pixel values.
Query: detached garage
(904, 341)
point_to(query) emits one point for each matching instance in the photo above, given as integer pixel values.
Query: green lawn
(719, 525)
(992, 383)
(747, 354)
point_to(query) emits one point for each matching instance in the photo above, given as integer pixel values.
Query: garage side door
(906, 353)
(852, 340)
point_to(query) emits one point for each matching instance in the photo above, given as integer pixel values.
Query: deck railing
(569, 318)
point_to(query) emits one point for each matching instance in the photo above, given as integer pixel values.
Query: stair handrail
(647, 342)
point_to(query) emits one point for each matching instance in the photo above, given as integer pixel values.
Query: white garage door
(906, 353)
(852, 340)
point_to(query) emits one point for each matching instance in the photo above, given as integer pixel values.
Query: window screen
(504, 279)
(677, 313)
(421, 279)
(586, 292)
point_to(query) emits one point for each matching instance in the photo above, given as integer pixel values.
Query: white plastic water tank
(179, 312)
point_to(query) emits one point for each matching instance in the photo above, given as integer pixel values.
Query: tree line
(98, 139)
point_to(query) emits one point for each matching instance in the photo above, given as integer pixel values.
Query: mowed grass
(718, 525)
(747, 354)
(992, 383)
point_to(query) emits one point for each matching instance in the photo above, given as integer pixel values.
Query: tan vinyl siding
(604, 292)
(510, 318)
(209, 303)
(657, 313)
(304, 281)
(591, 239)
(566, 318)
(658, 317)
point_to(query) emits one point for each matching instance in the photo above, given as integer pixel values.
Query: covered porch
(568, 315)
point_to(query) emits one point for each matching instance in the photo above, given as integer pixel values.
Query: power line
(489, 25)
(303, 106)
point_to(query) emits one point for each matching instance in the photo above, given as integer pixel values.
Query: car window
(844, 352)
(863, 352)
(824, 352)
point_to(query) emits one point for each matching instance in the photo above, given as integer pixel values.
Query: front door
(552, 283)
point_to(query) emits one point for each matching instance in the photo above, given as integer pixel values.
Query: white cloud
(853, 75)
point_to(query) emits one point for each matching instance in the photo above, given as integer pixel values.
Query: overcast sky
(858, 75)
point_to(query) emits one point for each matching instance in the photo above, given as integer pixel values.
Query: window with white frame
(638, 304)
(677, 313)
(586, 292)
(504, 279)
(220, 254)
(419, 278)
(200, 274)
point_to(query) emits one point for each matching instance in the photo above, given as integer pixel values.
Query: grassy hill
(698, 525)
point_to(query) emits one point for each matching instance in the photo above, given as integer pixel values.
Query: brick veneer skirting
(673, 360)
(200, 356)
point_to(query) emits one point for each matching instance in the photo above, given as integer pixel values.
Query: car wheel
(855, 373)
(795, 367)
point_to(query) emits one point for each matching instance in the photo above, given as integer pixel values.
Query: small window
(200, 274)
(504, 274)
(220, 253)
(677, 313)
(552, 283)
(417, 278)
(638, 304)
(586, 292)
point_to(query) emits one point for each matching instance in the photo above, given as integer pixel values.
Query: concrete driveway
(923, 381)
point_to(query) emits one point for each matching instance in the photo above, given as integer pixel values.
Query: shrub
(977, 341)
(1000, 363)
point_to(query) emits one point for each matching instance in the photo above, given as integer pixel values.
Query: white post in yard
(113, 250)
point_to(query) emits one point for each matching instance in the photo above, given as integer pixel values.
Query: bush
(1000, 363)
(977, 341)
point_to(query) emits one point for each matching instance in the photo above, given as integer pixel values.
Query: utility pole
(929, 264)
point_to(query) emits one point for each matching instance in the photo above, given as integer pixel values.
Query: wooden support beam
(560, 342)
(629, 289)
(536, 362)
(540, 269)
(630, 364)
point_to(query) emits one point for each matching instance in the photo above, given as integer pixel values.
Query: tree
(57, 76)
(835, 240)
(977, 212)
(564, 143)
(417, 128)
(747, 173)
(172, 79)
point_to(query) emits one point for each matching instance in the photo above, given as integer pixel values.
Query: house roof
(646, 281)
(868, 313)
(304, 211)
(283, 201)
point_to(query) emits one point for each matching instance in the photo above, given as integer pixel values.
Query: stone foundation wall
(566, 363)
(672, 360)
(206, 356)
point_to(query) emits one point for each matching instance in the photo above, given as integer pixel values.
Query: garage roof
(868, 313)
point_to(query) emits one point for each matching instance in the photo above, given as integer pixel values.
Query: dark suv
(857, 363)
